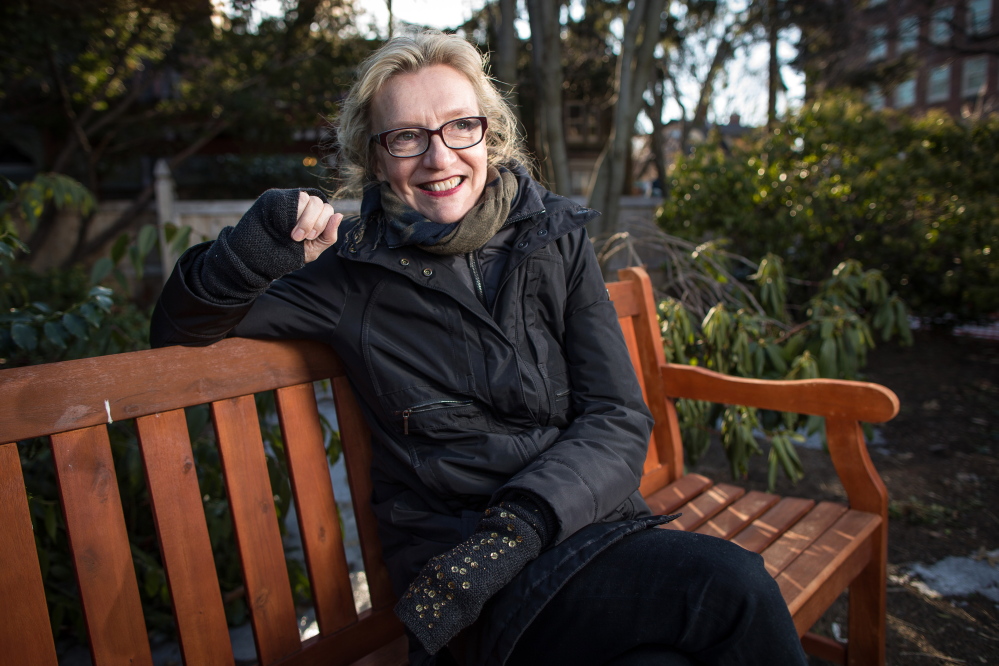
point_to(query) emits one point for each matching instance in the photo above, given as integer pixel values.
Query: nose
(438, 156)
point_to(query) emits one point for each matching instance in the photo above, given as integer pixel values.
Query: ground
(940, 462)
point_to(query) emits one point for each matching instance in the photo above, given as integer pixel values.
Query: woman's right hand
(315, 226)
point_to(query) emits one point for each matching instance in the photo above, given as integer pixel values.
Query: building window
(973, 73)
(938, 89)
(875, 98)
(908, 34)
(979, 16)
(877, 43)
(905, 94)
(941, 24)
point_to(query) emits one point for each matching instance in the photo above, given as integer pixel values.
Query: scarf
(401, 225)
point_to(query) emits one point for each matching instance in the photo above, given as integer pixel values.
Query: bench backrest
(72, 402)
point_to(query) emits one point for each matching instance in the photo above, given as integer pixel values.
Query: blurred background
(810, 182)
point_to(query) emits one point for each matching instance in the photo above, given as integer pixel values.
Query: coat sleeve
(596, 464)
(295, 306)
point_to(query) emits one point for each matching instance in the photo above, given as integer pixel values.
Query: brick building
(923, 54)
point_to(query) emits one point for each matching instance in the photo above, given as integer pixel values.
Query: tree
(104, 84)
(642, 33)
(547, 57)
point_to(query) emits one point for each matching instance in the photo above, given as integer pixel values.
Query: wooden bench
(814, 550)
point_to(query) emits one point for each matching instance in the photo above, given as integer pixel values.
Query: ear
(377, 165)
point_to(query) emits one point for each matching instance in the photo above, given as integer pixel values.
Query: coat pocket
(435, 414)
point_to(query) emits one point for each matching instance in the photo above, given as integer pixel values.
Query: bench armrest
(843, 404)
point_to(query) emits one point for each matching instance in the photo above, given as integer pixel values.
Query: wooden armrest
(842, 403)
(837, 398)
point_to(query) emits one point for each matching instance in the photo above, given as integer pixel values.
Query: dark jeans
(665, 597)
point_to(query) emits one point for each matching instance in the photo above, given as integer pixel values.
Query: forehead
(427, 98)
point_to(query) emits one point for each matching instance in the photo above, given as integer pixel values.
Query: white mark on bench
(107, 408)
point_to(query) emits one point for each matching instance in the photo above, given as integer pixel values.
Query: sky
(746, 93)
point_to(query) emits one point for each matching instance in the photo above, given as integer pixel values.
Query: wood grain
(315, 506)
(254, 521)
(99, 546)
(179, 515)
(25, 632)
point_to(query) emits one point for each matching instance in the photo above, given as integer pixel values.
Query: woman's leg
(704, 597)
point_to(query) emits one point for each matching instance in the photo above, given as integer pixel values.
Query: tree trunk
(634, 69)
(506, 51)
(547, 57)
(773, 80)
(84, 251)
(700, 119)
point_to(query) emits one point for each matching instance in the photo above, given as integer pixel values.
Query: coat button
(404, 262)
(542, 232)
(428, 271)
(522, 244)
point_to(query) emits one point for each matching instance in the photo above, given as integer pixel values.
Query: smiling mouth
(442, 185)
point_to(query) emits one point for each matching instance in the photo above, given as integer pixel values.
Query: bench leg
(868, 607)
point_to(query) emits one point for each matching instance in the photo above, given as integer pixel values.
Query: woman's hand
(315, 226)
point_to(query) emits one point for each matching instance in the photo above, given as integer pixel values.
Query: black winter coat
(464, 403)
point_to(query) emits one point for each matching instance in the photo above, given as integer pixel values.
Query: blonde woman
(508, 428)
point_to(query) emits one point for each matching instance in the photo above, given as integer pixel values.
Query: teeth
(443, 185)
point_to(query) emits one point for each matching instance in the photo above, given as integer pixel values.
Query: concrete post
(165, 197)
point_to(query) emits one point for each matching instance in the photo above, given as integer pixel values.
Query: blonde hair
(408, 54)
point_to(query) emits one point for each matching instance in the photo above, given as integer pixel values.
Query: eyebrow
(452, 114)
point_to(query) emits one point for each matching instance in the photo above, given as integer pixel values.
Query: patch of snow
(958, 577)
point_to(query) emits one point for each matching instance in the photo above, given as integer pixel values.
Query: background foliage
(66, 313)
(913, 197)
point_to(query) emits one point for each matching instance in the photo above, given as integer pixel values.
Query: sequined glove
(448, 594)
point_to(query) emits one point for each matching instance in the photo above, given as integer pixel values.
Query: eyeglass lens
(457, 134)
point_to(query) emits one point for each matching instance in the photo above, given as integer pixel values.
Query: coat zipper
(428, 407)
(473, 267)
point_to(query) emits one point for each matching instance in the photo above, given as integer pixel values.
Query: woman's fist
(315, 225)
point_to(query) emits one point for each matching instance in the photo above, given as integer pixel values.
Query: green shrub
(71, 313)
(912, 197)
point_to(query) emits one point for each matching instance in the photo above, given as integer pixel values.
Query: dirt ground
(940, 461)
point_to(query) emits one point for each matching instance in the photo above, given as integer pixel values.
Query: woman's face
(443, 184)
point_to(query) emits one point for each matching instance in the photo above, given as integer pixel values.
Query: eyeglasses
(413, 141)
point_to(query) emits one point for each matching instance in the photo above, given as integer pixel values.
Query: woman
(508, 429)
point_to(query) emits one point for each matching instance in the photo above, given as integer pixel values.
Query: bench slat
(708, 504)
(652, 462)
(153, 380)
(254, 520)
(678, 493)
(795, 540)
(98, 542)
(736, 517)
(25, 630)
(358, 461)
(375, 630)
(816, 577)
(767, 528)
(183, 536)
(315, 506)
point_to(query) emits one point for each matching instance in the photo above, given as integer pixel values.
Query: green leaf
(91, 314)
(147, 239)
(24, 336)
(102, 267)
(51, 522)
(119, 248)
(54, 334)
(75, 325)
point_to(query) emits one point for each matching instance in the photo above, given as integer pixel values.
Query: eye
(404, 135)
